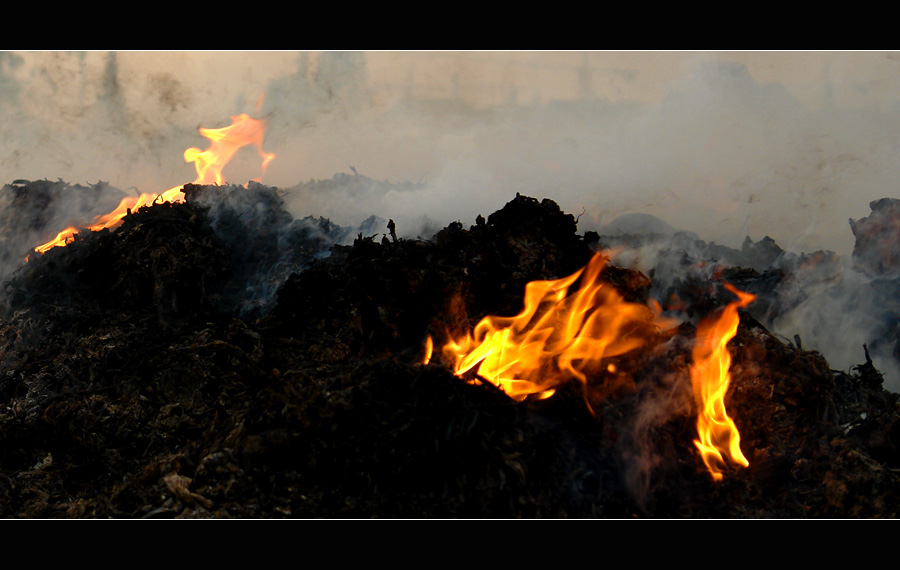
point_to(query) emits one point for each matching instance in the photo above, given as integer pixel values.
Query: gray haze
(714, 150)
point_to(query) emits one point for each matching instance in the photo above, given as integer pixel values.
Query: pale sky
(857, 78)
(171, 94)
(487, 77)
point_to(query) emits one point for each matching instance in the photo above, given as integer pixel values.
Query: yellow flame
(710, 377)
(61, 238)
(556, 337)
(244, 130)
(429, 348)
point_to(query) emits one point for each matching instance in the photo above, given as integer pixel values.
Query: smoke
(644, 459)
(721, 154)
(719, 147)
(839, 316)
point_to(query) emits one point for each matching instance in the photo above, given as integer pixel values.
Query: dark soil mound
(136, 383)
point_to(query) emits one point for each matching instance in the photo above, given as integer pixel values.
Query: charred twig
(489, 385)
(393, 230)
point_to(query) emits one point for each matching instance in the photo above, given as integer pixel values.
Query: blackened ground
(134, 386)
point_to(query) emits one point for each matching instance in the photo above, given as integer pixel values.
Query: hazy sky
(719, 150)
(857, 78)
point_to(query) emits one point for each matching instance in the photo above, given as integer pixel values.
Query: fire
(244, 130)
(128, 204)
(556, 337)
(710, 377)
(429, 349)
(61, 238)
(561, 335)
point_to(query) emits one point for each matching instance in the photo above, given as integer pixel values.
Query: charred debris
(200, 361)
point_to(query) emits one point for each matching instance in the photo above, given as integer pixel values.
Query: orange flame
(62, 238)
(710, 378)
(556, 336)
(429, 348)
(244, 130)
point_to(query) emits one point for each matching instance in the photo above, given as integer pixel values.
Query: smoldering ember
(200, 361)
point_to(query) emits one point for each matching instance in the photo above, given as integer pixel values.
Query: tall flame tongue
(226, 141)
(555, 338)
(710, 378)
(244, 130)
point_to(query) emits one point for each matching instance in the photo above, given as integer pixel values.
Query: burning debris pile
(29, 210)
(200, 362)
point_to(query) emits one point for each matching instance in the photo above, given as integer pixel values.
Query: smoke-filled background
(724, 145)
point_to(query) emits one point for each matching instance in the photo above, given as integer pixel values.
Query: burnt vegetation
(201, 362)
